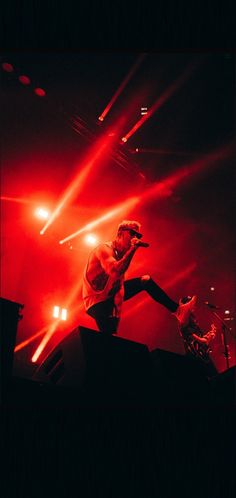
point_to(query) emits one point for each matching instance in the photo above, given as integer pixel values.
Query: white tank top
(113, 288)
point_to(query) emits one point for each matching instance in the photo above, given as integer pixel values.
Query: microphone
(212, 306)
(142, 244)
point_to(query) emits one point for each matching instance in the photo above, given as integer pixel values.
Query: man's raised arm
(110, 264)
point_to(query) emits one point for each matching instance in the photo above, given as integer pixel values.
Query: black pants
(102, 312)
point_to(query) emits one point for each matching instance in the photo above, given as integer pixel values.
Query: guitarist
(197, 343)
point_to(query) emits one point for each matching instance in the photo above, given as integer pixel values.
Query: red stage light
(56, 311)
(60, 313)
(40, 92)
(42, 214)
(64, 314)
(7, 67)
(101, 118)
(90, 240)
(24, 80)
(53, 327)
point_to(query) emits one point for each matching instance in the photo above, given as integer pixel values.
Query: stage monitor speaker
(10, 316)
(223, 387)
(98, 362)
(65, 365)
(178, 377)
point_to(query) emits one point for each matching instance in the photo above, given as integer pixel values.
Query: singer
(104, 285)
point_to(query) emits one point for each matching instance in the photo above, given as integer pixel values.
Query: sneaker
(185, 309)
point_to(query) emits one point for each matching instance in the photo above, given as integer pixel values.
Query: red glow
(25, 80)
(158, 190)
(118, 210)
(40, 92)
(7, 67)
(78, 183)
(20, 200)
(53, 327)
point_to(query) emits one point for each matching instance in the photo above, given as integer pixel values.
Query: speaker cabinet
(93, 361)
(65, 365)
(178, 378)
(10, 316)
(223, 387)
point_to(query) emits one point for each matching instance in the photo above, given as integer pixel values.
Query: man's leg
(182, 311)
(146, 283)
(102, 314)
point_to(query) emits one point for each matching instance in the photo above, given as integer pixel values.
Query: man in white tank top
(104, 288)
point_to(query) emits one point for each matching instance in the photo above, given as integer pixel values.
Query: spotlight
(64, 314)
(7, 67)
(101, 118)
(212, 288)
(60, 313)
(143, 111)
(42, 214)
(90, 240)
(24, 80)
(56, 311)
(227, 312)
(124, 139)
(40, 92)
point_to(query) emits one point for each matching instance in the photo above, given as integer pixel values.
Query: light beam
(123, 207)
(166, 95)
(121, 87)
(77, 184)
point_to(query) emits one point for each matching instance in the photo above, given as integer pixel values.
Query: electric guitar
(195, 341)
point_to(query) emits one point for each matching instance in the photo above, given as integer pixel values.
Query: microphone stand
(224, 328)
